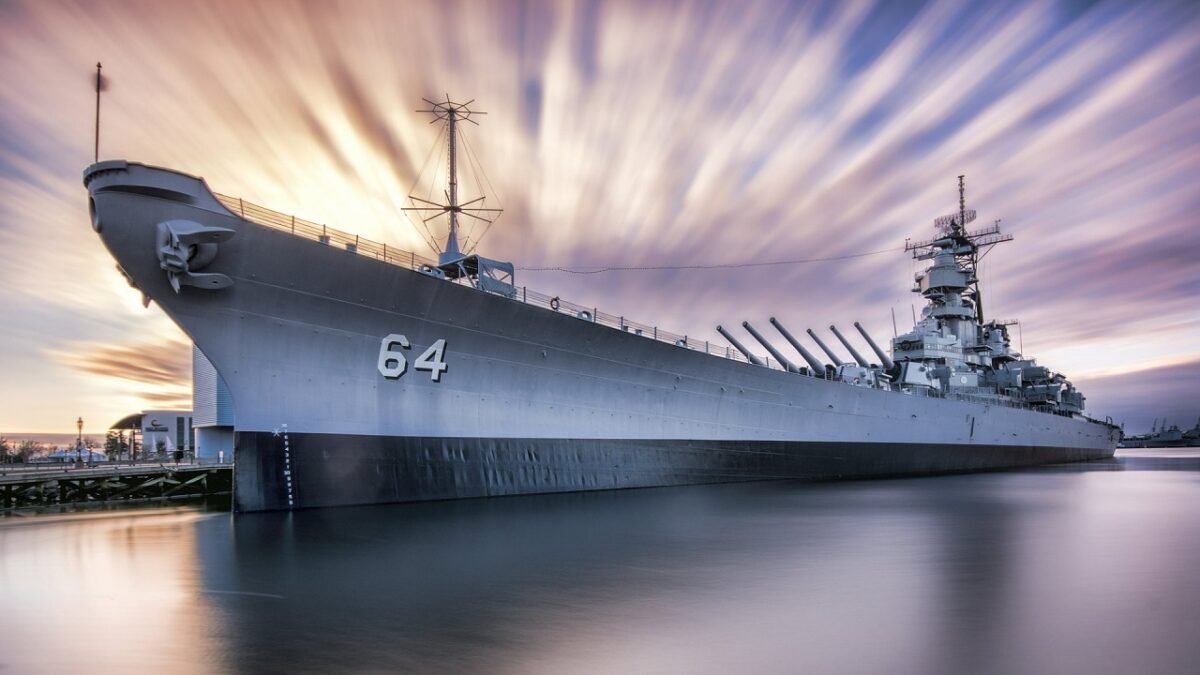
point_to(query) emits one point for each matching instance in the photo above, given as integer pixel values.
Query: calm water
(1084, 569)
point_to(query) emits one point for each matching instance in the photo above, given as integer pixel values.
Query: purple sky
(633, 133)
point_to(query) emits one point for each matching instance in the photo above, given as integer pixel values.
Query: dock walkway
(25, 486)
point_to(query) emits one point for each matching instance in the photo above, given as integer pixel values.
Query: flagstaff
(99, 85)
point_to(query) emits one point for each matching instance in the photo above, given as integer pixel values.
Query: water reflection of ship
(1165, 437)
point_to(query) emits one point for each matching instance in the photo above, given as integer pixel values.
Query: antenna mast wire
(431, 240)
(715, 266)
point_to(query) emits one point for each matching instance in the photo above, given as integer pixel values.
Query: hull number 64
(393, 363)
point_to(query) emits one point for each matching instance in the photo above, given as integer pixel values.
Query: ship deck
(410, 260)
(391, 255)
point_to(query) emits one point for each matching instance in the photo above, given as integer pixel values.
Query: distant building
(213, 406)
(71, 454)
(161, 430)
(205, 432)
(167, 430)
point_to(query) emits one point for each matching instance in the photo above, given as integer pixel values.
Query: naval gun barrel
(883, 357)
(817, 366)
(791, 367)
(741, 348)
(825, 348)
(846, 343)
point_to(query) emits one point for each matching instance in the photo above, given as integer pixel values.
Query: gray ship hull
(330, 470)
(531, 400)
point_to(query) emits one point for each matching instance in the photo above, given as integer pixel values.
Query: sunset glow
(632, 134)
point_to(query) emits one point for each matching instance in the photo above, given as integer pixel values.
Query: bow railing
(408, 259)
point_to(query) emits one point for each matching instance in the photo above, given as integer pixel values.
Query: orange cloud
(635, 133)
(157, 372)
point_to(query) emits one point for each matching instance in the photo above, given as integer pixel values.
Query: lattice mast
(452, 114)
(966, 248)
(452, 237)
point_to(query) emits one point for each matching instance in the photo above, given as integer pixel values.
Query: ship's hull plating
(531, 401)
(334, 469)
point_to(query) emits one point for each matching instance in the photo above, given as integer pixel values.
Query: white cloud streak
(649, 133)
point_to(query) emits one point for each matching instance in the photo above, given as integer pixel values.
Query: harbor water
(1066, 569)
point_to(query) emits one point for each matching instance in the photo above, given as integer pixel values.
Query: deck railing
(394, 256)
(410, 260)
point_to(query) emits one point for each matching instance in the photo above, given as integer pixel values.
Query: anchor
(185, 246)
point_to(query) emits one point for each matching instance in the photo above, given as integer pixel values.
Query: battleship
(1165, 437)
(355, 373)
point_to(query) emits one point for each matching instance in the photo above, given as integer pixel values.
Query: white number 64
(392, 362)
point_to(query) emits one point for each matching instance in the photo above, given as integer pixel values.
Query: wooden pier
(29, 486)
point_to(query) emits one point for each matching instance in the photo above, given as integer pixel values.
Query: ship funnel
(853, 352)
(791, 367)
(740, 347)
(883, 357)
(813, 362)
(825, 348)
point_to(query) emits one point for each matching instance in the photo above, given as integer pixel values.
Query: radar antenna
(962, 203)
(452, 114)
(965, 245)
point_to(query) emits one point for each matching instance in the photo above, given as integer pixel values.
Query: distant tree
(27, 450)
(160, 446)
(4, 449)
(114, 445)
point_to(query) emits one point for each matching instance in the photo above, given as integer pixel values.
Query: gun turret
(825, 348)
(814, 362)
(883, 358)
(791, 367)
(740, 347)
(846, 343)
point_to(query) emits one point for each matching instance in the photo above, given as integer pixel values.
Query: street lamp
(79, 440)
